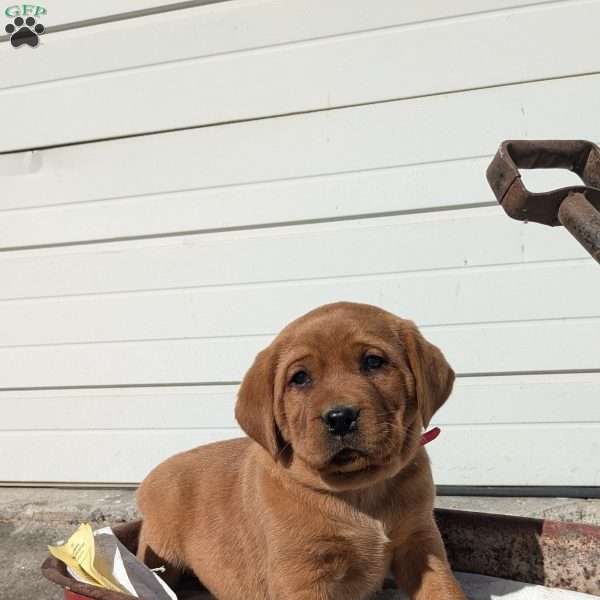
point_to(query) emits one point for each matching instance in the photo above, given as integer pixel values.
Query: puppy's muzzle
(341, 420)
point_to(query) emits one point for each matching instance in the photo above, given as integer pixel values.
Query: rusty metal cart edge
(549, 553)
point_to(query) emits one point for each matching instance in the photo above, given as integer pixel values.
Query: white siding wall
(294, 153)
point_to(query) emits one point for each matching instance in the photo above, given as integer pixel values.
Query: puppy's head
(343, 393)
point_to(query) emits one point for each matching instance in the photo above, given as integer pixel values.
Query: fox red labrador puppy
(332, 488)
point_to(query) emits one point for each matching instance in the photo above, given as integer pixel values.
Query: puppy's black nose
(341, 420)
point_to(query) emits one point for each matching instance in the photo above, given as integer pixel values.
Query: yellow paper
(63, 555)
(79, 553)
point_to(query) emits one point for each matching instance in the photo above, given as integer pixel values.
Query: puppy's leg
(151, 559)
(421, 568)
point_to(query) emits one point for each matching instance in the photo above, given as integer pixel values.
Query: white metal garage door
(294, 153)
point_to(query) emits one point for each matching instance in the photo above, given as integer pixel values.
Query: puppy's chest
(353, 553)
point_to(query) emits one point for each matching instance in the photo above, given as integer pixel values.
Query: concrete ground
(32, 518)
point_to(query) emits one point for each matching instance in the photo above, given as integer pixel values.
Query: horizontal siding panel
(409, 143)
(513, 399)
(164, 408)
(471, 349)
(466, 238)
(526, 455)
(500, 455)
(366, 67)
(211, 29)
(321, 197)
(570, 289)
(518, 399)
(95, 457)
(520, 346)
(297, 200)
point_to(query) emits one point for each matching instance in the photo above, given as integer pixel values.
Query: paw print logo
(24, 32)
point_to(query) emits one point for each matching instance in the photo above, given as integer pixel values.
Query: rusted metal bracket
(575, 207)
(549, 553)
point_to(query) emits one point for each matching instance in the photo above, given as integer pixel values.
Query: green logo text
(25, 10)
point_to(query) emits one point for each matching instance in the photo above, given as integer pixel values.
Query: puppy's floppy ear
(254, 409)
(433, 375)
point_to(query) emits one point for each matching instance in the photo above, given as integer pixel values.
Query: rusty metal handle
(549, 154)
(583, 221)
(580, 156)
(575, 207)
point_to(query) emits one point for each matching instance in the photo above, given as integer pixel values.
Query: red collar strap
(430, 435)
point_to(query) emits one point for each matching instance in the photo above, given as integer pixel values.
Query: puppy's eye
(372, 362)
(301, 378)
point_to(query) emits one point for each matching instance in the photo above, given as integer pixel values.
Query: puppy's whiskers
(391, 443)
